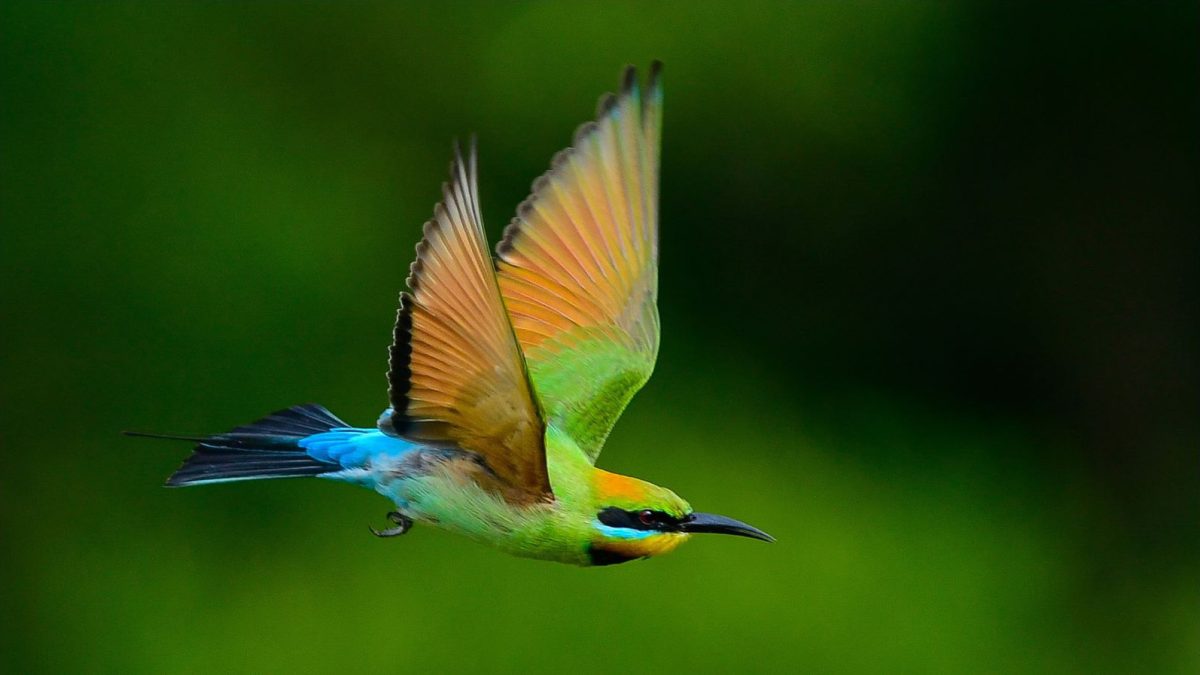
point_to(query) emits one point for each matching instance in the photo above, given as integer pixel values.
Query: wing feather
(457, 376)
(578, 267)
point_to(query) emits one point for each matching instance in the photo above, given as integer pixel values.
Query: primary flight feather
(506, 376)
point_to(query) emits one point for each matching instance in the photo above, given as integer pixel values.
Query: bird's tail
(268, 448)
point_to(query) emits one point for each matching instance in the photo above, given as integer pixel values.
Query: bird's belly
(434, 491)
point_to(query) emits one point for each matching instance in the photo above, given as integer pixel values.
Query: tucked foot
(403, 524)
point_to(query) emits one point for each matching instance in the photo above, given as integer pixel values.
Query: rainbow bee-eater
(506, 374)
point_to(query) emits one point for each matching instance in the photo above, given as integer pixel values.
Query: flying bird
(506, 374)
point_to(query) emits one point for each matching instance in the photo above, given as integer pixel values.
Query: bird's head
(635, 519)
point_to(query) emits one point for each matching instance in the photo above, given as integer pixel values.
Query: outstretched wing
(578, 267)
(457, 376)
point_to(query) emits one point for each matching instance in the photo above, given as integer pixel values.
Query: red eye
(647, 517)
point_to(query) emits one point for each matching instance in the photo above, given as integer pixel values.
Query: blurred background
(928, 295)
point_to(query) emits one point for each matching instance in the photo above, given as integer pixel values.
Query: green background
(928, 296)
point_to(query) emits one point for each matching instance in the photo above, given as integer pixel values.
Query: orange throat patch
(610, 552)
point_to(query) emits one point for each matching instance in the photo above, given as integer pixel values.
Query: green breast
(559, 531)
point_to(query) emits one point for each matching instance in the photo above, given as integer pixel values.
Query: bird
(507, 373)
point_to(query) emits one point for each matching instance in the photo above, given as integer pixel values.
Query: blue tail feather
(353, 448)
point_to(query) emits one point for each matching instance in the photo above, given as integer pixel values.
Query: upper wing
(578, 267)
(456, 374)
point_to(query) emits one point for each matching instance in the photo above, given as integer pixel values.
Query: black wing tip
(508, 238)
(462, 172)
(399, 357)
(629, 80)
(654, 85)
(628, 88)
(606, 104)
(560, 158)
(582, 132)
(439, 210)
(525, 208)
(413, 281)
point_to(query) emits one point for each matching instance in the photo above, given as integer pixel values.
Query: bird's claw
(403, 524)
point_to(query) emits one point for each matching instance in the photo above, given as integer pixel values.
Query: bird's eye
(647, 517)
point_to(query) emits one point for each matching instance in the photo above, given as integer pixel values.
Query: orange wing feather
(457, 376)
(579, 267)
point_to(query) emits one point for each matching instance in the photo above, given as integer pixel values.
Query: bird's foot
(403, 524)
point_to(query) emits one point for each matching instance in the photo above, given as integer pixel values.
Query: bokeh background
(929, 277)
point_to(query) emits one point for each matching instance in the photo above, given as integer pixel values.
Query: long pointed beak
(711, 522)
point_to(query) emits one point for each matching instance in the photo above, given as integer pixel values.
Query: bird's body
(441, 486)
(507, 375)
(444, 487)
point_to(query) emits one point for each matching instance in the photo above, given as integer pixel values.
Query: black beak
(710, 522)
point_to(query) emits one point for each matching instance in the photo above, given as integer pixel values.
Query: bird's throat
(610, 552)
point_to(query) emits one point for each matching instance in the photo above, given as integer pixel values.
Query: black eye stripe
(632, 520)
(614, 517)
